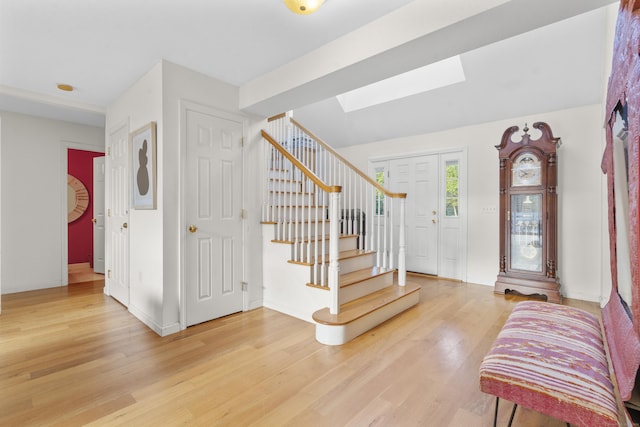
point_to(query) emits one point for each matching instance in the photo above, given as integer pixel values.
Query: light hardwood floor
(72, 356)
(82, 272)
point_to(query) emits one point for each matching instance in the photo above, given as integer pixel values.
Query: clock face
(526, 171)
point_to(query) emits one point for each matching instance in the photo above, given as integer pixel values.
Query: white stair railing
(310, 190)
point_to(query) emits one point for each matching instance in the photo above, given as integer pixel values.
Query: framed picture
(143, 167)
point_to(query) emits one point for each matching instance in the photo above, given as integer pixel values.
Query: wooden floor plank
(72, 356)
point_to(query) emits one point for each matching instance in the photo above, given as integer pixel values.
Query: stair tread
(360, 307)
(358, 276)
(306, 221)
(298, 206)
(341, 256)
(292, 192)
(285, 180)
(313, 239)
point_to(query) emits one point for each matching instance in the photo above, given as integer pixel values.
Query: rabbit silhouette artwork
(143, 174)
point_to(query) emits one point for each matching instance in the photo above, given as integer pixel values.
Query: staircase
(331, 238)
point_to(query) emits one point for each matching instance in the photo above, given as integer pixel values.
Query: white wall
(34, 197)
(156, 236)
(579, 189)
(139, 105)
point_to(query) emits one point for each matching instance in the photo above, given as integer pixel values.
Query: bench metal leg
(513, 413)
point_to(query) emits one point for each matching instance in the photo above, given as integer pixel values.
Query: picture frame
(142, 143)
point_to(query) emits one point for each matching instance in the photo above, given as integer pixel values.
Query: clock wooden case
(528, 214)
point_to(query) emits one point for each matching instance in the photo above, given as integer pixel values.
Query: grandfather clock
(528, 214)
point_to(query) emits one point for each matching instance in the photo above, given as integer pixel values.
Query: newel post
(402, 266)
(334, 267)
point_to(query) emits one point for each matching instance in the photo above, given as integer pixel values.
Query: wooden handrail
(346, 162)
(276, 117)
(312, 176)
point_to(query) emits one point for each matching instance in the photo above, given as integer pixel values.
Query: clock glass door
(526, 232)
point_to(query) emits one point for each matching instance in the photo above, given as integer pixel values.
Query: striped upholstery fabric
(551, 359)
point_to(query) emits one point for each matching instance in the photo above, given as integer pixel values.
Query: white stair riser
(283, 175)
(357, 263)
(296, 231)
(279, 174)
(298, 213)
(340, 334)
(279, 198)
(344, 244)
(284, 185)
(346, 266)
(360, 289)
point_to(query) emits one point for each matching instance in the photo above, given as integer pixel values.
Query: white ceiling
(520, 57)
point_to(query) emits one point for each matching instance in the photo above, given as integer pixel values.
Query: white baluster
(334, 267)
(391, 241)
(385, 254)
(402, 268)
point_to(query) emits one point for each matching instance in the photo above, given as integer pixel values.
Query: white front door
(213, 260)
(118, 215)
(418, 177)
(98, 214)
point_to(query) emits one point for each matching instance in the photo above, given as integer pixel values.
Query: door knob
(125, 225)
(433, 212)
(193, 228)
(434, 221)
(93, 220)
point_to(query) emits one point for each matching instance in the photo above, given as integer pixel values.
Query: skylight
(433, 76)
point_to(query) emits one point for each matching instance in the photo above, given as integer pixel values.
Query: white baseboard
(146, 319)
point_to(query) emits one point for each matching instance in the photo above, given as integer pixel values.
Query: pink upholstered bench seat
(551, 359)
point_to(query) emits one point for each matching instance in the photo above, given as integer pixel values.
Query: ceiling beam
(423, 32)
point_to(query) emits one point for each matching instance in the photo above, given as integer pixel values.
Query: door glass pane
(452, 184)
(526, 232)
(379, 194)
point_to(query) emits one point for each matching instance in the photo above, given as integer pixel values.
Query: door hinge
(243, 214)
(109, 212)
(245, 286)
(108, 151)
(108, 274)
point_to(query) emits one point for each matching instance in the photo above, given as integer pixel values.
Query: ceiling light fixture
(65, 87)
(303, 7)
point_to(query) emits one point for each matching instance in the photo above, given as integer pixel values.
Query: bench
(554, 359)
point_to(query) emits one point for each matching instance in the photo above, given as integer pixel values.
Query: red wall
(80, 231)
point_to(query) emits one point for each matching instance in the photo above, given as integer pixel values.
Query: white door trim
(186, 105)
(64, 147)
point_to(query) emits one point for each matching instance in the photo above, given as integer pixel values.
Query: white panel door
(98, 214)
(118, 215)
(418, 177)
(213, 258)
